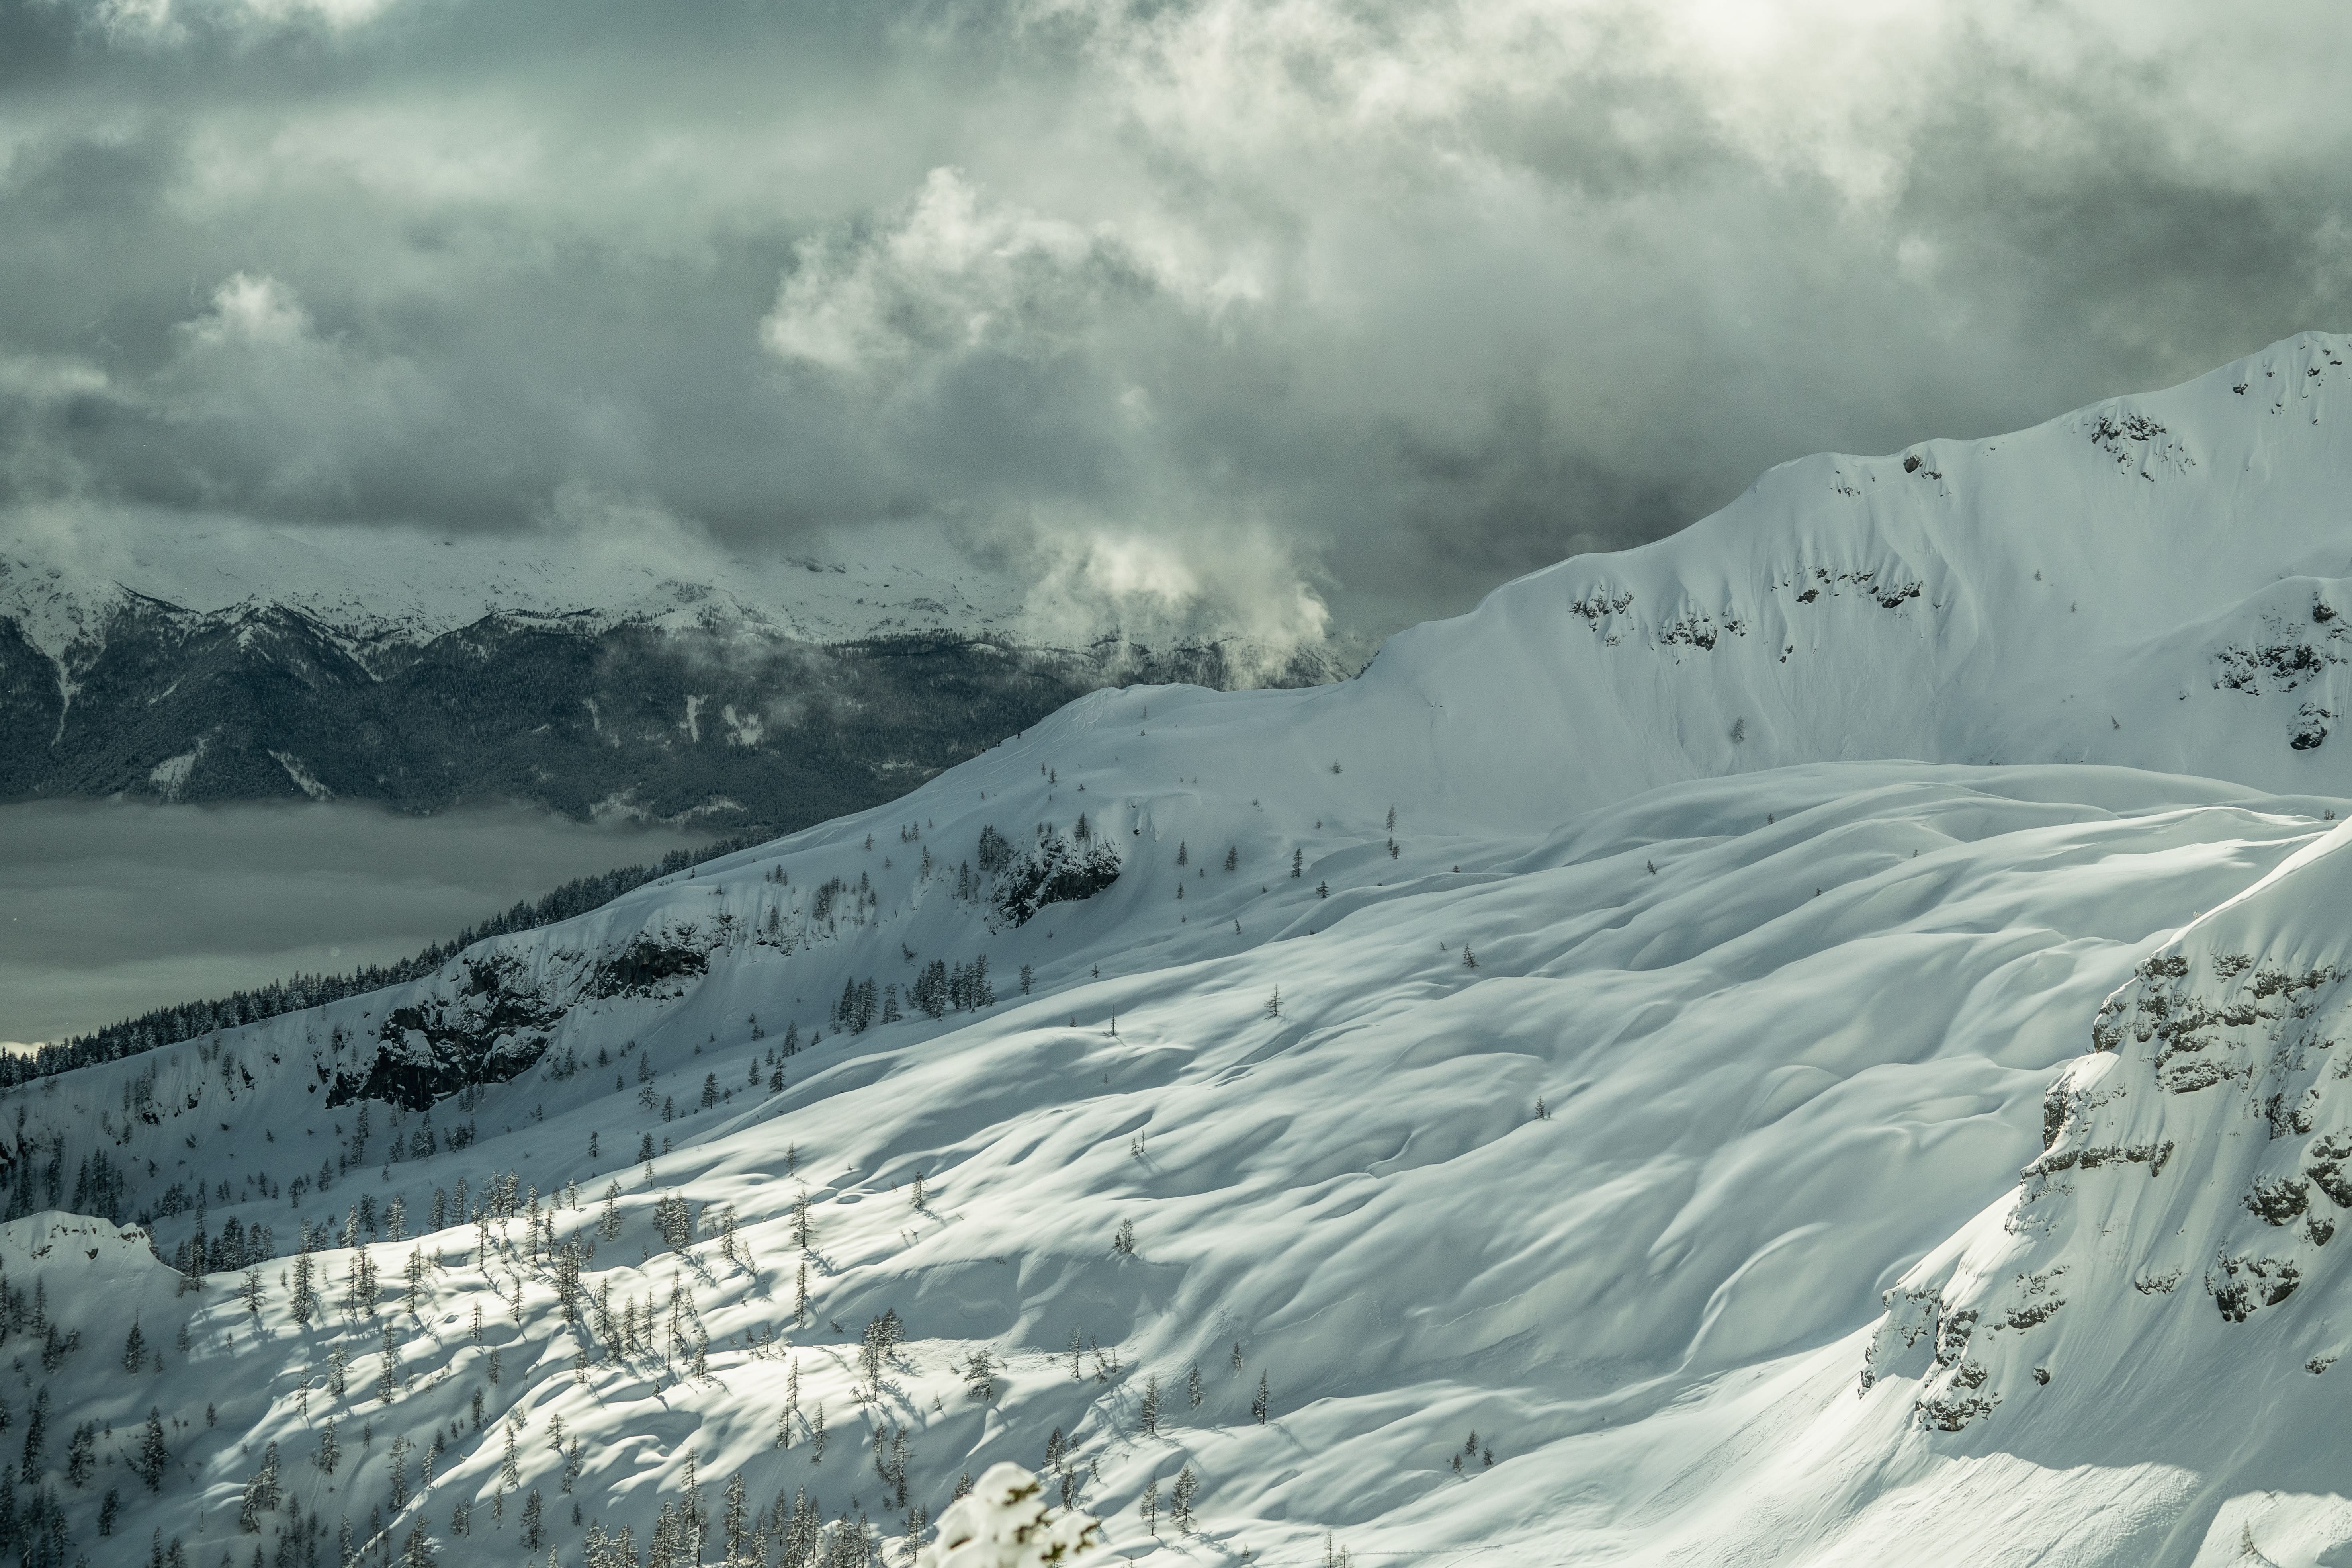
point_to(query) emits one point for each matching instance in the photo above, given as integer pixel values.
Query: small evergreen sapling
(980, 1376)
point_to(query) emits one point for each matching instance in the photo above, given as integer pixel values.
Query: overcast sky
(1396, 300)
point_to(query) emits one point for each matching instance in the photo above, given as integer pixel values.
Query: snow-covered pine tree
(980, 1376)
(154, 1456)
(1182, 1496)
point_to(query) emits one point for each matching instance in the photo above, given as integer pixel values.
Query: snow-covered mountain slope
(1772, 1074)
(1653, 1112)
(2155, 581)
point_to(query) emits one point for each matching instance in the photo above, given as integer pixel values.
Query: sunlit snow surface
(1777, 1070)
(1791, 1029)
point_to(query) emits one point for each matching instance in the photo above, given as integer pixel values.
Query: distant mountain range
(234, 663)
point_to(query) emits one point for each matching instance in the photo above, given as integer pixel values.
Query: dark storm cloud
(1379, 302)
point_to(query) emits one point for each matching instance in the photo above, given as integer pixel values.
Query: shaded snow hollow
(1760, 1285)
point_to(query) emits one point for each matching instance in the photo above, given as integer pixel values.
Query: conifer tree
(1149, 1416)
(37, 1432)
(80, 1453)
(260, 1494)
(980, 1376)
(135, 1349)
(154, 1458)
(305, 1303)
(1263, 1403)
(1187, 1487)
(1193, 1390)
(736, 1523)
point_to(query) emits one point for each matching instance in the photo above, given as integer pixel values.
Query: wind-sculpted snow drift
(1458, 1110)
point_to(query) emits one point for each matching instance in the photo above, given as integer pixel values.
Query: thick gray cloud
(1375, 303)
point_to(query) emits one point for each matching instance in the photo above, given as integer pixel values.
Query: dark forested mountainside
(576, 715)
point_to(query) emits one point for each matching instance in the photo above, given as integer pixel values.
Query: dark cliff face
(740, 731)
